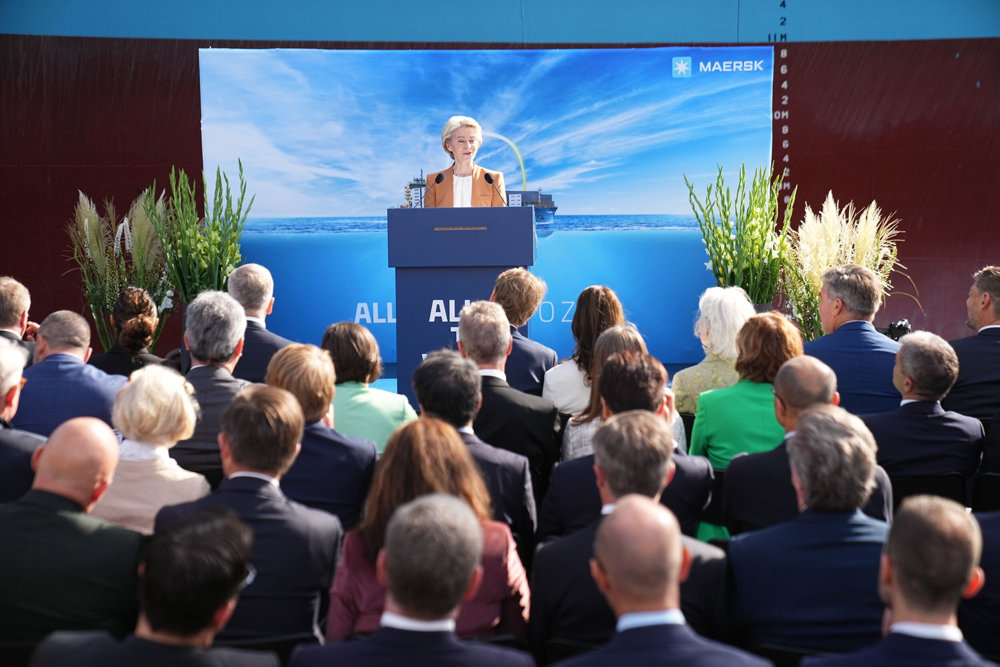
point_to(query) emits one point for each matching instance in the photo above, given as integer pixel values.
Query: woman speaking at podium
(465, 183)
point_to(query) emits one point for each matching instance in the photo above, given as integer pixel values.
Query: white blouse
(463, 191)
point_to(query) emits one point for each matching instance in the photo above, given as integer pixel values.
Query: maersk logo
(682, 67)
(730, 66)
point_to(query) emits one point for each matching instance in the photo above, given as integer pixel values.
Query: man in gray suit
(16, 447)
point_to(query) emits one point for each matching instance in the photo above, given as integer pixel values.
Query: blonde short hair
(307, 372)
(454, 123)
(157, 406)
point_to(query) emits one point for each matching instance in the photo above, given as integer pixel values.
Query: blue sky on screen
(605, 131)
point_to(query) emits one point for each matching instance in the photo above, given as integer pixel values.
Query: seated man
(920, 437)
(253, 288)
(638, 564)
(429, 565)
(191, 576)
(14, 323)
(295, 547)
(16, 446)
(519, 293)
(977, 389)
(979, 616)
(810, 583)
(930, 563)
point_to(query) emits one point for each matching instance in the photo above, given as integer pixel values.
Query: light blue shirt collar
(642, 619)
(946, 633)
(391, 620)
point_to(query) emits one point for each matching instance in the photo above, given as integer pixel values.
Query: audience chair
(282, 645)
(688, 420)
(986, 497)
(950, 486)
(782, 656)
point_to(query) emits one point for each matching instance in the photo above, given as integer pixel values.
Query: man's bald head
(78, 461)
(802, 382)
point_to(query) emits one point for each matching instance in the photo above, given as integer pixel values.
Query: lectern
(445, 258)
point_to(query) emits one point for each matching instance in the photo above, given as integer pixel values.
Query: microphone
(489, 179)
(440, 177)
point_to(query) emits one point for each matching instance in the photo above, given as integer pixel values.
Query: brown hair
(611, 341)
(765, 342)
(424, 456)
(354, 351)
(264, 426)
(597, 308)
(135, 319)
(307, 372)
(519, 293)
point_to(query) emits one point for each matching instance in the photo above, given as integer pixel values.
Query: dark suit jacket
(900, 649)
(573, 501)
(661, 646)
(977, 390)
(61, 569)
(520, 423)
(527, 362)
(810, 583)
(758, 492)
(214, 387)
(16, 448)
(921, 438)
(392, 647)
(979, 617)
(99, 648)
(295, 551)
(332, 473)
(62, 387)
(27, 346)
(508, 480)
(991, 447)
(863, 359)
(259, 345)
(119, 361)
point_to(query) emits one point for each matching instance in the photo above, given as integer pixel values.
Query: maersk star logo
(682, 67)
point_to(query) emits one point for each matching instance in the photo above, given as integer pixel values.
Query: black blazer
(295, 551)
(119, 361)
(976, 391)
(979, 616)
(100, 648)
(520, 423)
(527, 362)
(899, 649)
(259, 345)
(214, 387)
(27, 346)
(16, 448)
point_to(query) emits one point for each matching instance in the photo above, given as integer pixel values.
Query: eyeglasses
(251, 575)
(24, 381)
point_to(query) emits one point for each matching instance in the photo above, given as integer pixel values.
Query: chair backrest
(688, 420)
(782, 656)
(986, 497)
(950, 486)
(281, 645)
(561, 649)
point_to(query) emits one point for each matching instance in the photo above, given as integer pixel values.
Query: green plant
(200, 252)
(745, 243)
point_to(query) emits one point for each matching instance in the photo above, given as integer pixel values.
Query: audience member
(60, 385)
(427, 456)
(152, 412)
(632, 453)
(638, 564)
(722, 312)
(568, 384)
(359, 409)
(977, 389)
(629, 381)
(253, 288)
(861, 357)
(810, 583)
(931, 561)
(920, 437)
(14, 323)
(519, 293)
(213, 334)
(332, 472)
(979, 616)
(192, 574)
(134, 320)
(447, 388)
(508, 418)
(16, 446)
(429, 564)
(758, 489)
(61, 569)
(295, 547)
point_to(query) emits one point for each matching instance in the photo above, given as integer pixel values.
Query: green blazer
(369, 413)
(735, 420)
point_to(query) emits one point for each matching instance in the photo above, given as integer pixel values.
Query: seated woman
(722, 311)
(152, 412)
(568, 384)
(358, 409)
(134, 321)
(427, 456)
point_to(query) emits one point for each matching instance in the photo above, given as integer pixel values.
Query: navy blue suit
(295, 551)
(16, 448)
(390, 647)
(259, 345)
(921, 438)
(331, 473)
(663, 646)
(977, 390)
(527, 363)
(99, 648)
(62, 387)
(810, 583)
(979, 617)
(863, 359)
(900, 649)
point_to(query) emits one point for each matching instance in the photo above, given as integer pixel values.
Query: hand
(30, 331)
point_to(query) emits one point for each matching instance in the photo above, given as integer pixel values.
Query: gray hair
(65, 330)
(857, 286)
(11, 364)
(930, 362)
(633, 449)
(833, 455)
(722, 312)
(484, 331)
(987, 279)
(14, 301)
(252, 286)
(804, 381)
(432, 546)
(215, 324)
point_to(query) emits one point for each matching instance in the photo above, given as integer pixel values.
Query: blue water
(562, 223)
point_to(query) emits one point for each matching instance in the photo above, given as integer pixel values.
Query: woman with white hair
(722, 311)
(465, 183)
(154, 410)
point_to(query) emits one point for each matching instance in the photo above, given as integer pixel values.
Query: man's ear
(605, 411)
(976, 583)
(671, 471)
(223, 613)
(474, 582)
(685, 564)
(11, 395)
(270, 306)
(461, 350)
(381, 573)
(599, 577)
(836, 398)
(86, 355)
(35, 455)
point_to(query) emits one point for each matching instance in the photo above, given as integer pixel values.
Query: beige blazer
(442, 195)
